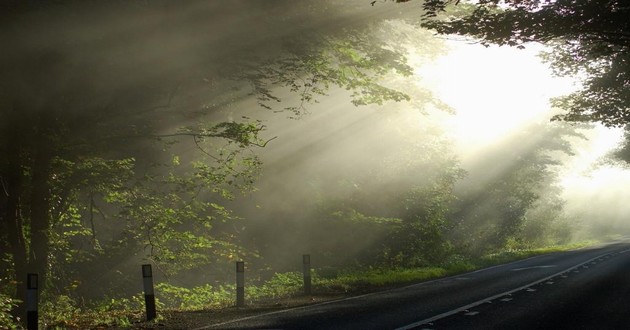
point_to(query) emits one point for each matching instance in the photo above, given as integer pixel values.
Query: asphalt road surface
(582, 289)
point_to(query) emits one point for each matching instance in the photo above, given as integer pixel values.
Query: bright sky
(494, 90)
(497, 90)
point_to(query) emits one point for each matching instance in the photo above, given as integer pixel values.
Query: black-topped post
(31, 301)
(306, 269)
(240, 283)
(149, 296)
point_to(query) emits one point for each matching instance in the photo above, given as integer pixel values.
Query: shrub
(6, 319)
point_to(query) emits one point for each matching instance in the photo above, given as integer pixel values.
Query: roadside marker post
(31, 301)
(240, 283)
(149, 296)
(306, 269)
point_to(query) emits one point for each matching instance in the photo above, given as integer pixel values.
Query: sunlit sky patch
(494, 91)
(498, 90)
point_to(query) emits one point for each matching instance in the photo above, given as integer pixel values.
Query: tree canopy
(95, 97)
(119, 141)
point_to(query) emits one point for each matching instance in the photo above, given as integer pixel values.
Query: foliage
(345, 280)
(357, 281)
(7, 304)
(126, 311)
(515, 201)
(89, 127)
(545, 222)
(505, 256)
(196, 298)
(110, 161)
(407, 229)
(355, 61)
(59, 312)
(63, 312)
(170, 210)
(278, 286)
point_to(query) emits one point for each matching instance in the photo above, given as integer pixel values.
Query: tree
(587, 39)
(93, 94)
(389, 204)
(516, 182)
(546, 222)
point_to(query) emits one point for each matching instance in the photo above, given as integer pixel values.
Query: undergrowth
(62, 312)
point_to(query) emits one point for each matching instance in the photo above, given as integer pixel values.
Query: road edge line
(496, 296)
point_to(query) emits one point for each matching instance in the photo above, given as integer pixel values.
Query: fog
(471, 161)
(497, 117)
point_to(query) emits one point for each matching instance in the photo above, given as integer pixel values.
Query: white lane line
(457, 277)
(211, 326)
(533, 267)
(496, 296)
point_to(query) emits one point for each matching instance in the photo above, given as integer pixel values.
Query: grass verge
(181, 308)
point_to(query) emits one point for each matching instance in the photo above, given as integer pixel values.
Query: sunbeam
(495, 91)
(190, 135)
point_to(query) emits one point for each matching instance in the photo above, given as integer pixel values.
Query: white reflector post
(240, 284)
(31, 301)
(149, 296)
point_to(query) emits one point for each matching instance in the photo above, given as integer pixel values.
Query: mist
(194, 134)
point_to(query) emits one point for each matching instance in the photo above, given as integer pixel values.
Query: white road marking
(496, 296)
(533, 267)
(415, 324)
(214, 326)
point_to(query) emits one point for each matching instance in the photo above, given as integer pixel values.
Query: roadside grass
(519, 254)
(63, 313)
(358, 281)
(374, 279)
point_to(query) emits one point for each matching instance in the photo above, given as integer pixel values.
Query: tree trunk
(29, 248)
(40, 206)
(13, 222)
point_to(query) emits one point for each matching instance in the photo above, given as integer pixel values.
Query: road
(582, 289)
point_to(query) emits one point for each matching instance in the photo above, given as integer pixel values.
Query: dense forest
(190, 135)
